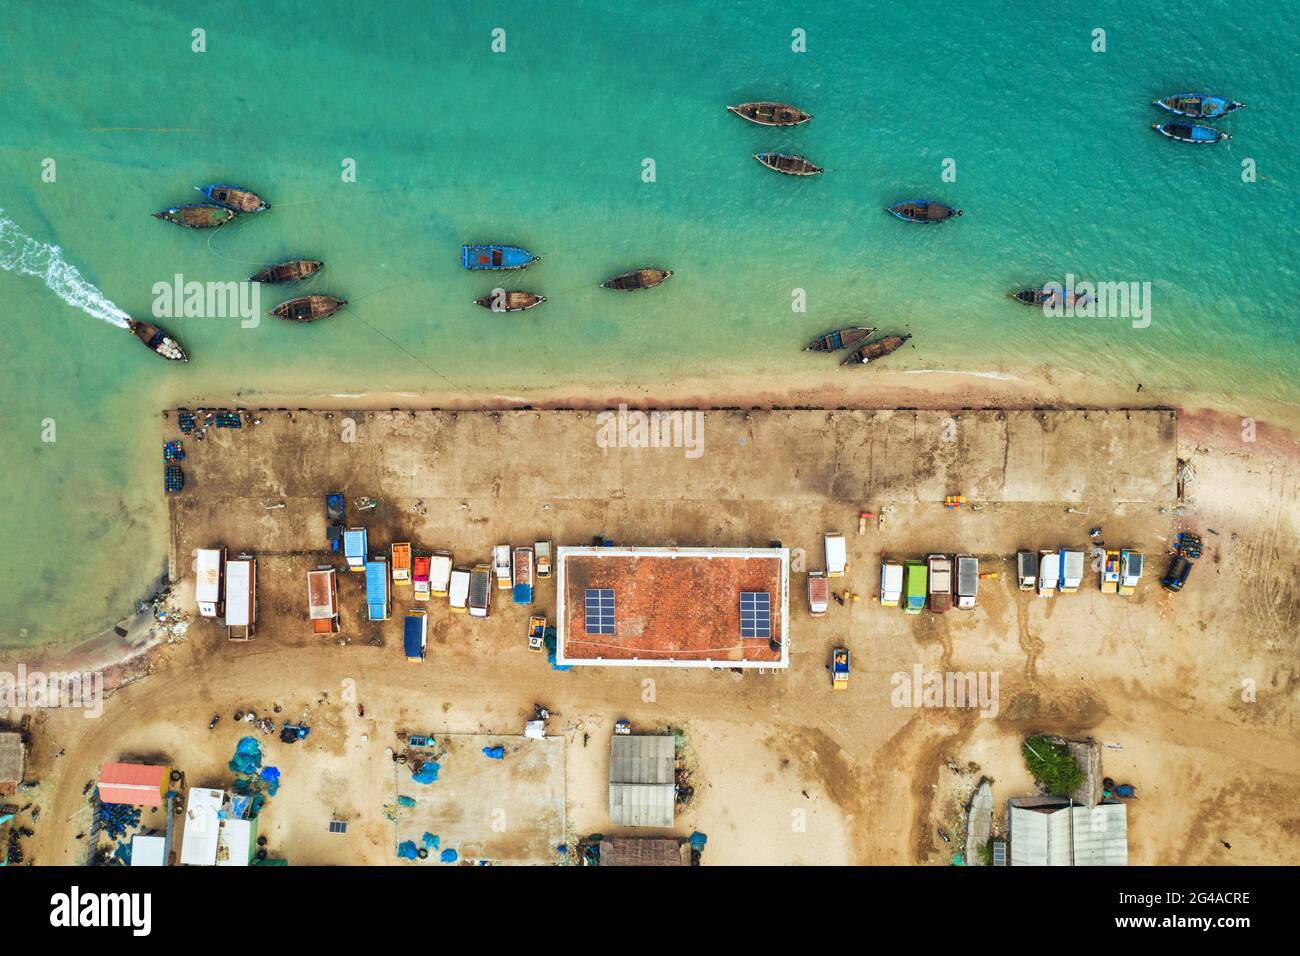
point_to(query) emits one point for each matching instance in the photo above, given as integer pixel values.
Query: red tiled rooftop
(671, 604)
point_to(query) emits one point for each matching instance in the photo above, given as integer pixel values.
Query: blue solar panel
(600, 610)
(755, 614)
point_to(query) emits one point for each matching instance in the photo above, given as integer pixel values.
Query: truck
(323, 601)
(379, 601)
(1130, 571)
(1110, 572)
(819, 593)
(480, 590)
(940, 573)
(210, 581)
(354, 549)
(1071, 571)
(891, 584)
(501, 567)
(968, 581)
(241, 598)
(420, 577)
(458, 589)
(915, 587)
(1026, 570)
(401, 563)
(523, 576)
(415, 635)
(543, 550)
(1049, 572)
(840, 668)
(335, 515)
(836, 554)
(439, 572)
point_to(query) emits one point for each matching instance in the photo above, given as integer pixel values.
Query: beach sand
(784, 771)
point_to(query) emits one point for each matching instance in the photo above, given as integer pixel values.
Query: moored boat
(790, 165)
(767, 113)
(158, 341)
(291, 271)
(1050, 297)
(873, 351)
(496, 257)
(839, 339)
(503, 300)
(923, 210)
(308, 308)
(1190, 132)
(198, 215)
(1198, 105)
(637, 279)
(234, 197)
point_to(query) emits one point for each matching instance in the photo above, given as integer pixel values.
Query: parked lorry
(439, 572)
(523, 576)
(241, 598)
(480, 590)
(891, 584)
(401, 563)
(335, 515)
(1049, 572)
(415, 635)
(1130, 571)
(819, 593)
(968, 581)
(458, 589)
(210, 581)
(840, 668)
(501, 567)
(354, 549)
(1026, 570)
(836, 554)
(940, 574)
(543, 552)
(323, 601)
(379, 599)
(1110, 572)
(537, 634)
(1071, 571)
(1176, 576)
(915, 587)
(420, 577)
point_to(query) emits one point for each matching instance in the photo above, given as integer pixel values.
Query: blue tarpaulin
(494, 753)
(406, 801)
(428, 773)
(248, 757)
(698, 840)
(448, 856)
(430, 841)
(406, 849)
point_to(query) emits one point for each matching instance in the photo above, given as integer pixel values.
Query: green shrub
(1053, 767)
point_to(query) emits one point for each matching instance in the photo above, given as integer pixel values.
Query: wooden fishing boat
(1190, 132)
(637, 279)
(923, 210)
(1198, 105)
(198, 215)
(292, 271)
(504, 300)
(770, 114)
(1058, 298)
(839, 339)
(790, 165)
(873, 351)
(308, 308)
(158, 341)
(234, 197)
(496, 257)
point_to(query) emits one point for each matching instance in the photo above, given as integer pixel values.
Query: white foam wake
(21, 253)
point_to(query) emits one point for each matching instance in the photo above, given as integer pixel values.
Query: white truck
(891, 584)
(458, 593)
(968, 581)
(439, 572)
(1049, 572)
(501, 567)
(836, 554)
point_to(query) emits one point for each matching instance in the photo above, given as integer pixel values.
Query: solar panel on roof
(600, 611)
(338, 826)
(755, 614)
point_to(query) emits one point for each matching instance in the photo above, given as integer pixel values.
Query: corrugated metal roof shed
(1048, 833)
(11, 758)
(641, 787)
(137, 784)
(202, 826)
(148, 850)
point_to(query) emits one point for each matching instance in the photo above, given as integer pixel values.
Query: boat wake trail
(21, 253)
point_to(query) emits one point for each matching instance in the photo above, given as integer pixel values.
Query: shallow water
(543, 145)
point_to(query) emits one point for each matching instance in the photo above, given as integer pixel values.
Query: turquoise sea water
(543, 145)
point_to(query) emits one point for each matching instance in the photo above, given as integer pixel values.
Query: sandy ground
(784, 770)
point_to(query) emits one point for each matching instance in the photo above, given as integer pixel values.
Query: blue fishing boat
(1190, 132)
(923, 210)
(1198, 105)
(496, 257)
(234, 197)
